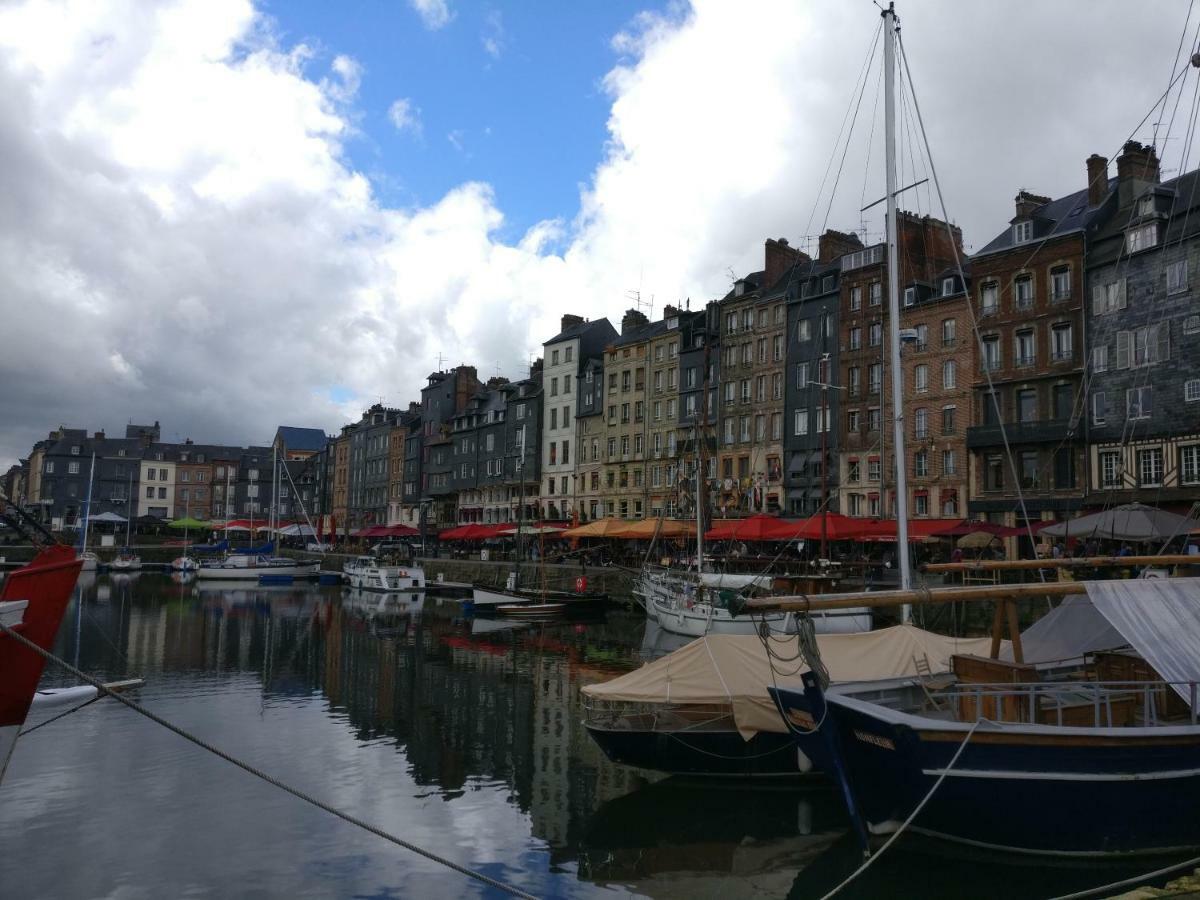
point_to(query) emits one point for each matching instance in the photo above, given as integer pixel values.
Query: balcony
(1052, 431)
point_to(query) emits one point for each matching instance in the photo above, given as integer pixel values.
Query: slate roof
(301, 438)
(577, 330)
(1108, 241)
(1058, 217)
(640, 335)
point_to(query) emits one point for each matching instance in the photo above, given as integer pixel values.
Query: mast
(701, 429)
(128, 521)
(825, 456)
(87, 508)
(228, 500)
(889, 72)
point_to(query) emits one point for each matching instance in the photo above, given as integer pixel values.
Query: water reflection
(463, 734)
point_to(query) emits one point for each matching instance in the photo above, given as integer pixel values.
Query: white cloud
(434, 13)
(182, 237)
(405, 115)
(493, 35)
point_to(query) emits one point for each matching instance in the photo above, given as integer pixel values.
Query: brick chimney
(1028, 204)
(1137, 169)
(833, 244)
(778, 257)
(631, 320)
(568, 320)
(1097, 179)
(669, 311)
(99, 435)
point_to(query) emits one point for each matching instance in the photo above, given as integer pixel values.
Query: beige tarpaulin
(734, 670)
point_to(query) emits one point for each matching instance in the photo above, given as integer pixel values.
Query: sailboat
(1083, 739)
(127, 560)
(90, 560)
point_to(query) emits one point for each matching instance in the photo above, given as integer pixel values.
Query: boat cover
(1072, 629)
(1160, 618)
(735, 671)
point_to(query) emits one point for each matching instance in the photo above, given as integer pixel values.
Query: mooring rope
(258, 773)
(920, 806)
(1106, 889)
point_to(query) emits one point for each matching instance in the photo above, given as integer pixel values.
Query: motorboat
(369, 574)
(89, 561)
(184, 564)
(526, 610)
(125, 561)
(251, 567)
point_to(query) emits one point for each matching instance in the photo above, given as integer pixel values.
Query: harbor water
(463, 736)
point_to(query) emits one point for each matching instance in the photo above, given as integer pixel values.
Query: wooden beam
(997, 625)
(876, 599)
(1014, 631)
(1093, 562)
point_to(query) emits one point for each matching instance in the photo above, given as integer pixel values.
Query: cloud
(493, 35)
(405, 116)
(434, 13)
(183, 238)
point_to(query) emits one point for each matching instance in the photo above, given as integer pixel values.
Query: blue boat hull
(1067, 793)
(708, 753)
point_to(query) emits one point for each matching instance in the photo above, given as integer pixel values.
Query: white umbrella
(1130, 522)
(110, 517)
(298, 530)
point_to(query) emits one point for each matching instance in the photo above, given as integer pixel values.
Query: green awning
(187, 522)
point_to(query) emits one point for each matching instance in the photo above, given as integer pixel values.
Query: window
(802, 375)
(1139, 402)
(921, 424)
(566, 452)
(948, 332)
(1025, 348)
(873, 419)
(1150, 467)
(921, 504)
(949, 374)
(150, 473)
(947, 287)
(760, 427)
(910, 296)
(1100, 358)
(1110, 469)
(873, 468)
(948, 416)
(729, 430)
(149, 493)
(804, 330)
(566, 384)
(853, 420)
(1023, 292)
(875, 377)
(568, 354)
(554, 358)
(745, 390)
(1099, 408)
(776, 426)
(876, 293)
(993, 472)
(1027, 405)
(921, 378)
(1191, 390)
(553, 387)
(801, 424)
(1144, 346)
(854, 381)
(744, 428)
(853, 470)
(823, 418)
(921, 463)
(1060, 283)
(1107, 298)
(1022, 232)
(624, 445)
(1064, 401)
(162, 493)
(1191, 325)
(989, 298)
(730, 392)
(856, 338)
(554, 417)
(1143, 237)
(949, 464)
(184, 475)
(856, 297)
(875, 334)
(777, 385)
(1062, 342)
(1177, 276)
(1189, 464)
(991, 353)
(1028, 460)
(72, 468)
(873, 505)
(922, 336)
(760, 388)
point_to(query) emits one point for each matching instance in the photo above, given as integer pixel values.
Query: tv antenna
(640, 304)
(440, 359)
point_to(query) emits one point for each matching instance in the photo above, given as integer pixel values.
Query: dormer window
(910, 296)
(1143, 237)
(1145, 206)
(672, 322)
(75, 450)
(1022, 232)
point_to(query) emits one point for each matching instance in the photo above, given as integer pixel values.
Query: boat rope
(1105, 889)
(65, 712)
(259, 773)
(675, 737)
(911, 816)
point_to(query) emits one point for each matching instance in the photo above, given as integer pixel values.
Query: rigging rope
(258, 773)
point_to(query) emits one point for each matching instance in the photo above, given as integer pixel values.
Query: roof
(579, 329)
(1107, 244)
(753, 282)
(1065, 215)
(301, 438)
(641, 334)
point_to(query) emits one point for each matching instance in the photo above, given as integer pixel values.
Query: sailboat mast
(129, 521)
(701, 430)
(87, 508)
(889, 73)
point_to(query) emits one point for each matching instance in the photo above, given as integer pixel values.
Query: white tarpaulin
(1160, 619)
(735, 671)
(1073, 628)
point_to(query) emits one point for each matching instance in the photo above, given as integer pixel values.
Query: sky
(226, 215)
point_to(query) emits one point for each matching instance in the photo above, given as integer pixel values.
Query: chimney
(496, 381)
(1137, 169)
(778, 257)
(99, 435)
(568, 320)
(833, 244)
(669, 311)
(1097, 179)
(631, 320)
(1028, 204)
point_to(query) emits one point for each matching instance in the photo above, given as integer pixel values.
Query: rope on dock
(1132, 882)
(920, 806)
(258, 773)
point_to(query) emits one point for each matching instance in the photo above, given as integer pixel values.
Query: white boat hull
(251, 572)
(387, 579)
(126, 564)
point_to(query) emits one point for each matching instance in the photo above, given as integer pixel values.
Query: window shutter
(1162, 341)
(1123, 341)
(1121, 293)
(1098, 300)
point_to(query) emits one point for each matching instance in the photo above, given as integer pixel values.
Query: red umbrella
(759, 527)
(837, 527)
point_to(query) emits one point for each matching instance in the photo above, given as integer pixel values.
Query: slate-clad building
(1143, 338)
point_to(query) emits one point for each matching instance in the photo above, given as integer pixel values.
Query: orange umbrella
(646, 529)
(598, 529)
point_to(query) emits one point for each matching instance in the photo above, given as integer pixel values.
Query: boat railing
(625, 715)
(1097, 704)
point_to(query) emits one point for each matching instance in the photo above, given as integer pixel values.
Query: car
(317, 547)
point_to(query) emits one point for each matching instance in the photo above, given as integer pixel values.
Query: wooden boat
(531, 610)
